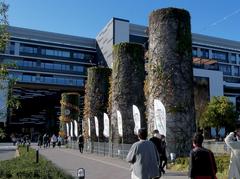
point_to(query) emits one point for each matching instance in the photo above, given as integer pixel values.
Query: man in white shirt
(143, 157)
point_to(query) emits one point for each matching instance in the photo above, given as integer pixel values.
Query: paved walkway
(96, 167)
(7, 151)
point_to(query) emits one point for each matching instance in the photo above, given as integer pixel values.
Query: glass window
(78, 55)
(48, 65)
(233, 58)
(27, 49)
(204, 53)
(54, 52)
(80, 82)
(226, 69)
(27, 78)
(236, 71)
(19, 63)
(221, 56)
(12, 47)
(57, 66)
(194, 52)
(66, 67)
(78, 68)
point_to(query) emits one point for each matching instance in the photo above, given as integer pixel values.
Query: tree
(3, 25)
(12, 101)
(3, 40)
(219, 112)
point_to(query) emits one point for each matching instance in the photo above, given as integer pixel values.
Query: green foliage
(3, 25)
(222, 162)
(219, 112)
(13, 102)
(26, 167)
(2, 134)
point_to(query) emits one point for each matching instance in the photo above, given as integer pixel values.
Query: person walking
(234, 144)
(40, 140)
(59, 141)
(163, 154)
(143, 157)
(54, 140)
(202, 162)
(80, 143)
(156, 140)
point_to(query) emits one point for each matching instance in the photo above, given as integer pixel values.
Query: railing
(103, 148)
(121, 150)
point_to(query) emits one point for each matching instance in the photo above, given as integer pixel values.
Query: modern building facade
(216, 59)
(50, 63)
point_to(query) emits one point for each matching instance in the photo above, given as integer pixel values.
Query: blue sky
(219, 18)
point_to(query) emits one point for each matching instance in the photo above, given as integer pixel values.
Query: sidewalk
(7, 151)
(96, 166)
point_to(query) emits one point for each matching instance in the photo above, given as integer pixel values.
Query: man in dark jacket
(202, 161)
(158, 144)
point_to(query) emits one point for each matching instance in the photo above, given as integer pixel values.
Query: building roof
(37, 35)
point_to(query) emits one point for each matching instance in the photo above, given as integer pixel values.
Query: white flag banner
(137, 119)
(159, 117)
(89, 127)
(106, 125)
(71, 129)
(67, 127)
(119, 120)
(96, 126)
(75, 128)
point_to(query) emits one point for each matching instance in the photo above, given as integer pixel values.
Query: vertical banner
(89, 127)
(119, 120)
(159, 117)
(106, 125)
(75, 128)
(67, 127)
(137, 119)
(71, 129)
(96, 126)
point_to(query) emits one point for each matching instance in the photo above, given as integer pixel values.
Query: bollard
(37, 155)
(81, 173)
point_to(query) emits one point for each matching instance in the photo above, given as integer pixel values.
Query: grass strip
(25, 166)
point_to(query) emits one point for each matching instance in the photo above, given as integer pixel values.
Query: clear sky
(219, 18)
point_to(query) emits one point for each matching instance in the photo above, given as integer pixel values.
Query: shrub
(26, 167)
(222, 162)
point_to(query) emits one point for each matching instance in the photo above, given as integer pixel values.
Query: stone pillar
(96, 99)
(127, 89)
(69, 111)
(170, 76)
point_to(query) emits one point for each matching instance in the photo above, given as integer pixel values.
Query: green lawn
(25, 167)
(222, 162)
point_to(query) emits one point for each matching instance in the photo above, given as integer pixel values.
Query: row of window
(50, 66)
(33, 50)
(48, 79)
(217, 55)
(228, 70)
